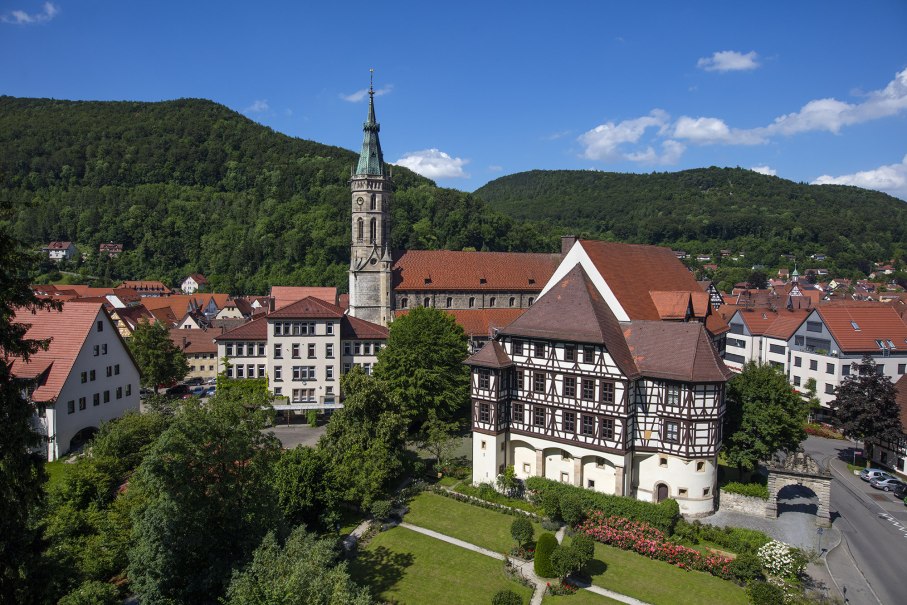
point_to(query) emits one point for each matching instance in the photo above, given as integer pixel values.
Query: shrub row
(548, 494)
(820, 430)
(483, 503)
(735, 539)
(756, 490)
(486, 491)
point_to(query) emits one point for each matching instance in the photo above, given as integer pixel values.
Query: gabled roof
(193, 340)
(59, 246)
(675, 351)
(786, 323)
(151, 286)
(672, 305)
(198, 278)
(131, 316)
(573, 310)
(491, 355)
(66, 331)
(257, 329)
(423, 270)
(632, 271)
(353, 327)
(875, 322)
(284, 295)
(309, 307)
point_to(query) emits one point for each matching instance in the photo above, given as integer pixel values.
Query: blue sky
(470, 91)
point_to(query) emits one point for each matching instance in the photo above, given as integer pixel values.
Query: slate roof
(441, 270)
(573, 310)
(491, 355)
(675, 351)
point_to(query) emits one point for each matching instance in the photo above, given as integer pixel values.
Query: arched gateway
(799, 469)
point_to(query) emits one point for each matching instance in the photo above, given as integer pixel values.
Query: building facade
(596, 387)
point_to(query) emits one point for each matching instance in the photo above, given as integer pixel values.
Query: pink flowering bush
(650, 542)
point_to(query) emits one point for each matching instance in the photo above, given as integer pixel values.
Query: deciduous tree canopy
(865, 404)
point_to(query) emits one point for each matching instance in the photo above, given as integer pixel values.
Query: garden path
(525, 567)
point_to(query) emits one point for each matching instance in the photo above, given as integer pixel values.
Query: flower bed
(562, 588)
(820, 430)
(651, 542)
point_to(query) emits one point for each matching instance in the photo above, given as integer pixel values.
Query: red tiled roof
(757, 320)
(786, 323)
(716, 324)
(467, 271)
(193, 340)
(58, 245)
(353, 327)
(257, 329)
(66, 331)
(671, 305)
(675, 351)
(154, 286)
(491, 355)
(309, 307)
(876, 322)
(483, 322)
(199, 278)
(632, 271)
(285, 295)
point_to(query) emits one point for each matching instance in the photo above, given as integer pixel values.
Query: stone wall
(738, 503)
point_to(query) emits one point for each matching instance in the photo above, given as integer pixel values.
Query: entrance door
(662, 493)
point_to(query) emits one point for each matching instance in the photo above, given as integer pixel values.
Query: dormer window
(531, 281)
(482, 280)
(427, 280)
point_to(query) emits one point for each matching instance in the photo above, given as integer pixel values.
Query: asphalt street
(873, 525)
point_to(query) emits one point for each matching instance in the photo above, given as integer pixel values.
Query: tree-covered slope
(192, 186)
(707, 209)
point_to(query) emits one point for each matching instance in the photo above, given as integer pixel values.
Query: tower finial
(371, 81)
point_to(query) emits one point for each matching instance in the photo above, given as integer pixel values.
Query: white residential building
(85, 377)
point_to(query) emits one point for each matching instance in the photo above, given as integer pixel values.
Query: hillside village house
(58, 251)
(110, 249)
(193, 283)
(85, 377)
(605, 383)
(200, 350)
(302, 349)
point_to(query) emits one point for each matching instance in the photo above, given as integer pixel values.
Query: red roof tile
(257, 329)
(309, 307)
(675, 351)
(353, 327)
(193, 340)
(671, 305)
(466, 271)
(875, 322)
(491, 355)
(285, 295)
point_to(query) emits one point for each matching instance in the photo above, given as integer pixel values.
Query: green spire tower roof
(371, 160)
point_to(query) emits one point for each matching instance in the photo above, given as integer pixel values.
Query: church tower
(370, 254)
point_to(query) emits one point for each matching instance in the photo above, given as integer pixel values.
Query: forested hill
(192, 186)
(708, 209)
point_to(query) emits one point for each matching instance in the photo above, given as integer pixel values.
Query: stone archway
(799, 469)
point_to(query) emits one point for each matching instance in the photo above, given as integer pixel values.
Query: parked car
(198, 391)
(194, 380)
(178, 391)
(900, 492)
(886, 484)
(210, 391)
(868, 474)
(211, 381)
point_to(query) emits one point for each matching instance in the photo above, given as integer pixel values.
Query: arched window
(530, 301)
(404, 303)
(374, 202)
(472, 302)
(359, 227)
(426, 302)
(491, 301)
(512, 301)
(449, 302)
(372, 230)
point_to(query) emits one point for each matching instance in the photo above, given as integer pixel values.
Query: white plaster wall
(677, 475)
(485, 460)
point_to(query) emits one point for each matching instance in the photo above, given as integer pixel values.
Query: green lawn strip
(498, 498)
(480, 526)
(582, 597)
(56, 472)
(448, 481)
(658, 582)
(409, 568)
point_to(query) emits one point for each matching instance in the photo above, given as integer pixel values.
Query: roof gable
(492, 355)
(309, 307)
(464, 271)
(655, 346)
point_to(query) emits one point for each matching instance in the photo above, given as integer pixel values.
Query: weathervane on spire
(371, 82)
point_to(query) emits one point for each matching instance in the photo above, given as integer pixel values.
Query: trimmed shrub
(522, 531)
(756, 490)
(662, 515)
(312, 417)
(585, 545)
(381, 509)
(571, 509)
(506, 597)
(763, 593)
(542, 562)
(746, 568)
(550, 524)
(550, 503)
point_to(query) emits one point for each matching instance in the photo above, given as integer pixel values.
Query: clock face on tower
(359, 200)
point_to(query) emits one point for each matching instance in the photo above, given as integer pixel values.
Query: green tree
(304, 571)
(21, 468)
(159, 359)
(521, 530)
(365, 441)
(865, 404)
(92, 593)
(422, 365)
(208, 502)
(304, 492)
(507, 481)
(764, 415)
(758, 280)
(439, 438)
(541, 563)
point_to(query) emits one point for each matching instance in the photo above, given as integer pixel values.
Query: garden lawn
(480, 526)
(56, 472)
(658, 582)
(406, 567)
(582, 597)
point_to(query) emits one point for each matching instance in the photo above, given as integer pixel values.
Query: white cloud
(361, 94)
(706, 131)
(20, 17)
(603, 142)
(729, 60)
(767, 170)
(670, 152)
(434, 164)
(891, 179)
(257, 106)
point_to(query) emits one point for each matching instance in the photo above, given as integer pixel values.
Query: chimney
(184, 342)
(567, 242)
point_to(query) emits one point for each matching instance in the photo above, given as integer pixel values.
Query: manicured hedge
(543, 549)
(662, 515)
(756, 490)
(739, 540)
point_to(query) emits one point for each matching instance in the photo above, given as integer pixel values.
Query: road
(872, 522)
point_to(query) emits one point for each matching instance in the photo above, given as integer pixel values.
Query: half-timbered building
(605, 382)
